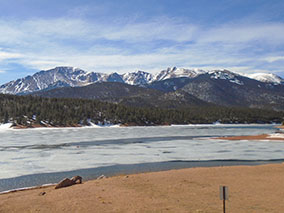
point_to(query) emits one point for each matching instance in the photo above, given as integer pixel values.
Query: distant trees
(28, 110)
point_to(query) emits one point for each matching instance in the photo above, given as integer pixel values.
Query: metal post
(224, 196)
(224, 199)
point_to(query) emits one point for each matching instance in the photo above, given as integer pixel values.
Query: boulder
(69, 182)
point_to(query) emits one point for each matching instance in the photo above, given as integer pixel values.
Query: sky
(150, 35)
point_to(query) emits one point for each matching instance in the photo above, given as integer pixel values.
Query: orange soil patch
(253, 137)
(254, 189)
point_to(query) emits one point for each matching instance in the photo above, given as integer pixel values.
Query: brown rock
(69, 182)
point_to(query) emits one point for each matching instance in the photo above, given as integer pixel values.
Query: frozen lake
(34, 151)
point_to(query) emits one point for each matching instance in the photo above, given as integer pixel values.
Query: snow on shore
(92, 125)
(5, 126)
(276, 135)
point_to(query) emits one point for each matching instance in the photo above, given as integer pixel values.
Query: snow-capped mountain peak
(173, 72)
(137, 78)
(59, 76)
(226, 75)
(267, 78)
(75, 77)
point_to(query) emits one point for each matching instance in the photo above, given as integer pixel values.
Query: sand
(267, 137)
(251, 189)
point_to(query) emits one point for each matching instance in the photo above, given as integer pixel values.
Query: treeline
(28, 110)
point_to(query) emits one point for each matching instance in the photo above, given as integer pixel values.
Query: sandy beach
(251, 189)
(268, 137)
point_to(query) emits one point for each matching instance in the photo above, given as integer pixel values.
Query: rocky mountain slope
(230, 89)
(75, 77)
(126, 94)
(216, 88)
(173, 87)
(57, 77)
(267, 78)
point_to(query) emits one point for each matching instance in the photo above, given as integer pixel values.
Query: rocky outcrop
(69, 182)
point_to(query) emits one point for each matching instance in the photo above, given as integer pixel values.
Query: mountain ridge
(121, 93)
(170, 88)
(76, 77)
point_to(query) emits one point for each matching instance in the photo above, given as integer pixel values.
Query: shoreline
(89, 174)
(131, 125)
(278, 136)
(262, 137)
(10, 126)
(179, 190)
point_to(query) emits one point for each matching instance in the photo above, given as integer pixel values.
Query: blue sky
(150, 35)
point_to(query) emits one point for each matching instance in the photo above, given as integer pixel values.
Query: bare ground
(251, 189)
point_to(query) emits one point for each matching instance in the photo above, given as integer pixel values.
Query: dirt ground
(275, 137)
(251, 189)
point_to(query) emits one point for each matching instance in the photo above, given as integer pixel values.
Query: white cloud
(10, 33)
(42, 64)
(274, 58)
(9, 55)
(57, 28)
(118, 60)
(130, 62)
(159, 29)
(36, 30)
(123, 29)
(268, 32)
(126, 45)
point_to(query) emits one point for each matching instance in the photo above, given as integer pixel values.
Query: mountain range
(170, 88)
(75, 77)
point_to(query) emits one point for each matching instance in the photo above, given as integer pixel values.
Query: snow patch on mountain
(137, 78)
(75, 77)
(267, 78)
(225, 75)
(57, 77)
(173, 72)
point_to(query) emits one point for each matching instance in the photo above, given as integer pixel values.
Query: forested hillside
(28, 111)
(126, 94)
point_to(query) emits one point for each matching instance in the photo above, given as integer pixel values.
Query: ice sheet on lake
(33, 151)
